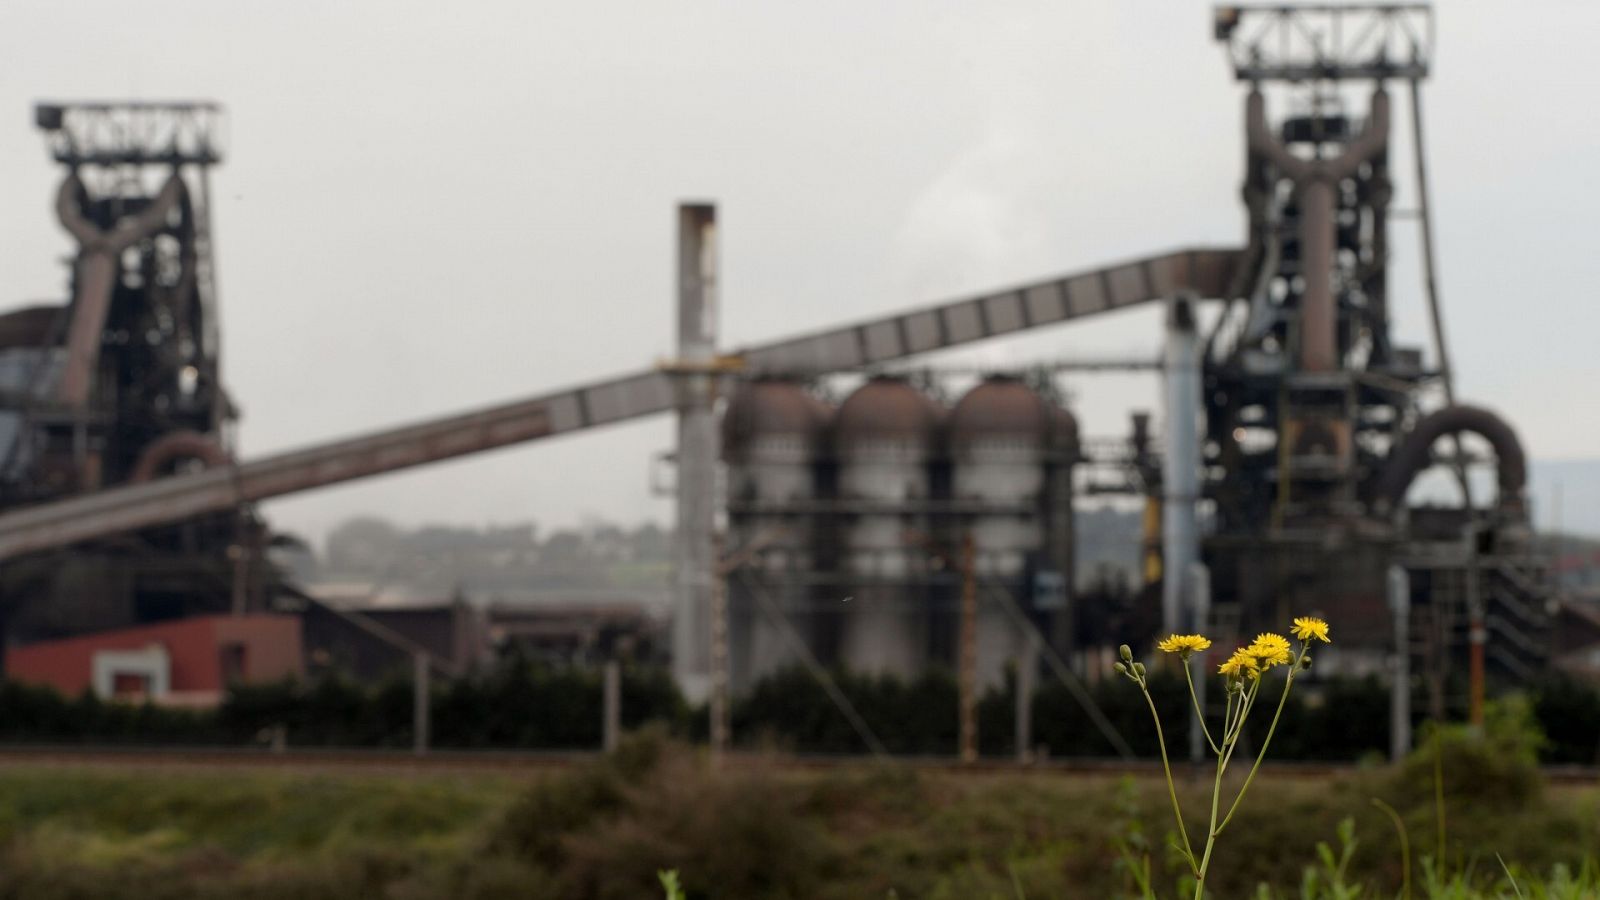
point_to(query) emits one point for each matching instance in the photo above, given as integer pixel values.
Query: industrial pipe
(97, 274)
(177, 445)
(1317, 180)
(1412, 455)
(1180, 470)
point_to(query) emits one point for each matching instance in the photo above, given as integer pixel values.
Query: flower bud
(1138, 669)
(1126, 651)
(1121, 669)
(1305, 661)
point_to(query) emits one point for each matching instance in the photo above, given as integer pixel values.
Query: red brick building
(184, 661)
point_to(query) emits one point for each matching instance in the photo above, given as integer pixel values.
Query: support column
(697, 449)
(1400, 667)
(1180, 470)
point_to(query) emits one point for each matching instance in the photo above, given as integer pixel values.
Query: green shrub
(1497, 769)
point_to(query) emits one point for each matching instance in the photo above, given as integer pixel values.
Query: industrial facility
(836, 505)
(867, 515)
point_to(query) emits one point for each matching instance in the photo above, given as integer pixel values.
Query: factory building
(185, 662)
(867, 519)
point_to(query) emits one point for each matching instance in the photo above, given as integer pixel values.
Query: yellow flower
(1239, 664)
(1184, 644)
(1270, 649)
(1306, 628)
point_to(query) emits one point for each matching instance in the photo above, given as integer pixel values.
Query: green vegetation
(513, 705)
(607, 831)
(517, 704)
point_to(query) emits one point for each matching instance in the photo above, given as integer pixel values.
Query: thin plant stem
(1509, 877)
(1177, 812)
(1288, 681)
(1211, 833)
(1227, 718)
(1247, 702)
(1199, 715)
(1438, 790)
(1405, 846)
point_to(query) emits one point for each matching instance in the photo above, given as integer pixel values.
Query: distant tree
(363, 545)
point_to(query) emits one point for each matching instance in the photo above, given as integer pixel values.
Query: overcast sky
(432, 206)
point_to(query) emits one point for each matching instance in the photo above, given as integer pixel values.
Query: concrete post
(1180, 471)
(967, 653)
(1400, 675)
(1027, 677)
(1477, 634)
(422, 668)
(611, 703)
(697, 449)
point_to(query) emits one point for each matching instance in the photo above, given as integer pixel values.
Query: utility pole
(720, 731)
(968, 643)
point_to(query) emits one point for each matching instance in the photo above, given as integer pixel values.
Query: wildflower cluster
(1242, 672)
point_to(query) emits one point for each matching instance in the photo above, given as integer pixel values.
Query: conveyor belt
(1206, 272)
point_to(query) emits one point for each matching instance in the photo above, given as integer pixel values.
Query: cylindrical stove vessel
(885, 437)
(773, 433)
(1000, 440)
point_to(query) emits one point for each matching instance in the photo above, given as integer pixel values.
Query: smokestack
(697, 450)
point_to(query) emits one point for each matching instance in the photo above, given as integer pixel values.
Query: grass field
(768, 830)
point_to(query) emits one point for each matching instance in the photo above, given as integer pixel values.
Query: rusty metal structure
(1317, 420)
(871, 518)
(119, 385)
(1296, 423)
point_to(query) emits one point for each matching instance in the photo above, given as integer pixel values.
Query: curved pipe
(97, 275)
(173, 446)
(1315, 180)
(72, 197)
(1411, 456)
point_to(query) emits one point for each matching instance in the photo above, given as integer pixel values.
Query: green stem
(1172, 792)
(1405, 845)
(1438, 792)
(1198, 714)
(1227, 718)
(1294, 666)
(1211, 833)
(1247, 702)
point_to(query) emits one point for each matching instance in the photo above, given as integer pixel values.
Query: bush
(1568, 711)
(609, 827)
(518, 704)
(1496, 770)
